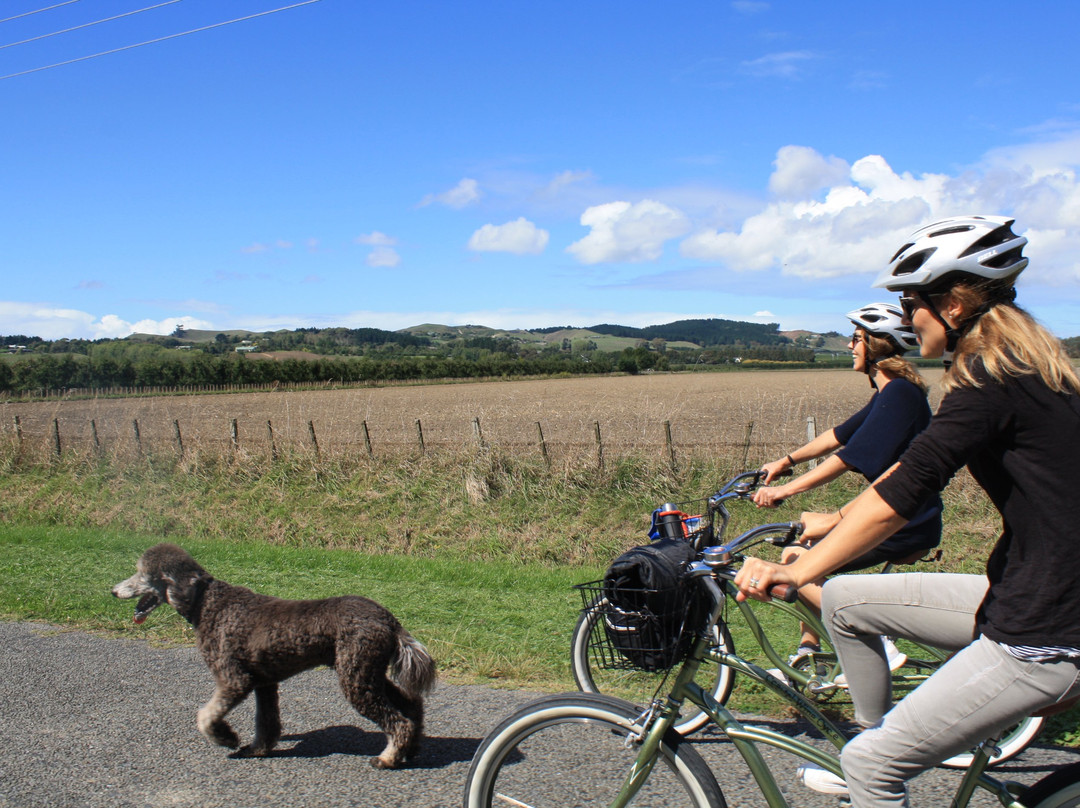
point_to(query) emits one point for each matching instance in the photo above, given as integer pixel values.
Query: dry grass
(709, 413)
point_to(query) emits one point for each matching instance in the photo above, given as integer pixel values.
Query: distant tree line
(351, 356)
(702, 332)
(705, 332)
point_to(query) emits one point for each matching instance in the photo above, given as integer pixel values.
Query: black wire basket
(634, 628)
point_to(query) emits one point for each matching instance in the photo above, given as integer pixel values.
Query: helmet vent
(991, 239)
(948, 231)
(1004, 259)
(901, 250)
(912, 263)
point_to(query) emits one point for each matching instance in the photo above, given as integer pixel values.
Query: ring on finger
(754, 582)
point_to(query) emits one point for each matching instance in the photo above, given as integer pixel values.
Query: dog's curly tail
(412, 668)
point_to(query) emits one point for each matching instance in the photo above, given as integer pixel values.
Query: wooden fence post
(94, 436)
(234, 433)
(420, 436)
(179, 440)
(746, 443)
(543, 445)
(670, 446)
(477, 433)
(270, 437)
(599, 447)
(811, 433)
(314, 442)
(367, 439)
(56, 436)
(18, 430)
(138, 437)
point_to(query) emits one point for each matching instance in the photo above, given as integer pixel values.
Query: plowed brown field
(706, 411)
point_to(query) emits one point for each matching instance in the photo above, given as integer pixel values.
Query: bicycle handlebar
(706, 571)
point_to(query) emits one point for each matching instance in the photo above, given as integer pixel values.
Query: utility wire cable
(159, 39)
(88, 24)
(38, 11)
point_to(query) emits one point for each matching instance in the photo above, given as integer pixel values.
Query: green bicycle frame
(663, 713)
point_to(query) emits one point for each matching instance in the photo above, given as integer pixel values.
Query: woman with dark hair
(868, 442)
(1011, 414)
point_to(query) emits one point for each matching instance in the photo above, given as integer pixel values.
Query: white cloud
(783, 65)
(383, 257)
(376, 239)
(621, 231)
(801, 171)
(53, 323)
(461, 195)
(520, 237)
(866, 214)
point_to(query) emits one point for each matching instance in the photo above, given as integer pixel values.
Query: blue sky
(517, 164)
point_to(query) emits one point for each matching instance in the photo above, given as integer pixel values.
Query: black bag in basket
(649, 598)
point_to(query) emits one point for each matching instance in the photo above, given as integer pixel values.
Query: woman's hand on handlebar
(757, 577)
(817, 525)
(773, 470)
(770, 496)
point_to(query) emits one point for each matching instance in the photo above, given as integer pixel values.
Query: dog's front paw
(253, 751)
(223, 735)
(381, 763)
(217, 731)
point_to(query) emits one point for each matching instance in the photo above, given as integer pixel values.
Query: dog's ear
(183, 591)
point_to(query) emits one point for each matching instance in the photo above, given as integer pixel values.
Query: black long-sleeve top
(1021, 442)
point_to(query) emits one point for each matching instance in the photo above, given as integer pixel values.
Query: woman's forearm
(820, 446)
(867, 521)
(825, 472)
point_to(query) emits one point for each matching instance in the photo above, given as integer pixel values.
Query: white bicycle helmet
(980, 246)
(885, 320)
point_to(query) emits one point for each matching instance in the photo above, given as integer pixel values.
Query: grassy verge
(476, 554)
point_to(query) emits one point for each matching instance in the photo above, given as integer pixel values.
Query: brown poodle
(252, 642)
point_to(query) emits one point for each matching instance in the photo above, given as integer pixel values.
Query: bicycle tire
(572, 750)
(1015, 740)
(638, 686)
(1058, 790)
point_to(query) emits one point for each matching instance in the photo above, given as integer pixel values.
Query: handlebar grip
(785, 592)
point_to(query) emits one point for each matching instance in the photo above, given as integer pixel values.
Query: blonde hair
(882, 352)
(1010, 343)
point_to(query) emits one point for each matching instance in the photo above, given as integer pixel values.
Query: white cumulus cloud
(386, 257)
(870, 208)
(621, 231)
(520, 237)
(376, 239)
(801, 172)
(461, 195)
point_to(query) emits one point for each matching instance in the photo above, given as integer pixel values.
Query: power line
(38, 11)
(159, 39)
(88, 24)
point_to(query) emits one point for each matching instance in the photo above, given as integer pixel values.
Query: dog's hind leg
(211, 717)
(267, 722)
(376, 698)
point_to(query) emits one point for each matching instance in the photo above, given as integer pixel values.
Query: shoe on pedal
(894, 655)
(804, 650)
(822, 780)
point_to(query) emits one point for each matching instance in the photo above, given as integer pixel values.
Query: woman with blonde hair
(1011, 414)
(868, 442)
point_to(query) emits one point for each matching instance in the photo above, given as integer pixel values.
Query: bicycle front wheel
(1060, 790)
(596, 672)
(575, 749)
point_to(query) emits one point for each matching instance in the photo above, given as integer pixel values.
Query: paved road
(88, 721)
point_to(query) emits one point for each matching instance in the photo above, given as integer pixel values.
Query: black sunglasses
(908, 304)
